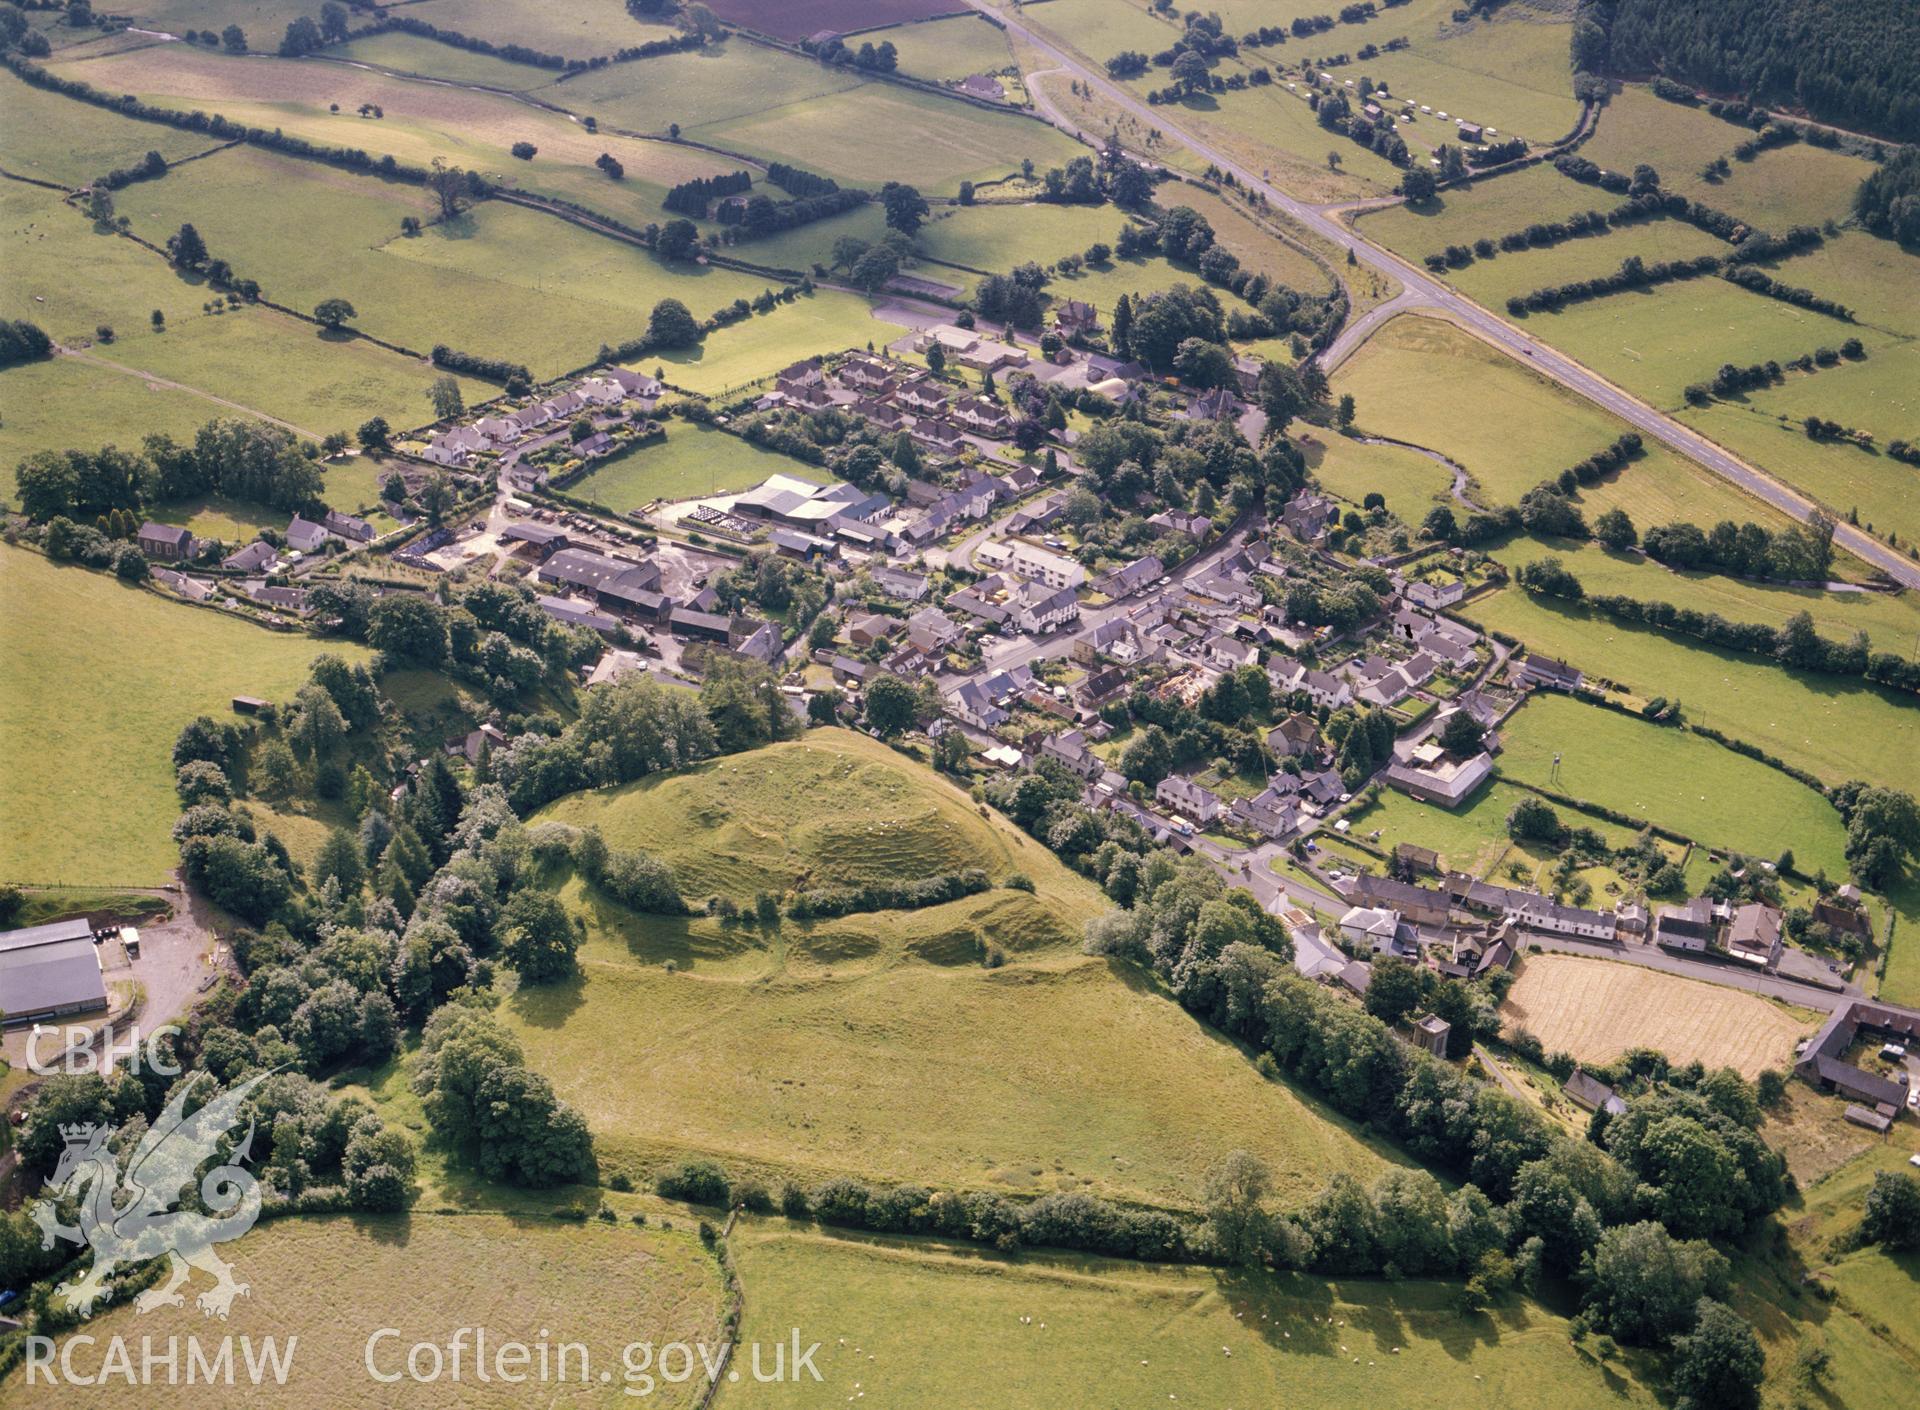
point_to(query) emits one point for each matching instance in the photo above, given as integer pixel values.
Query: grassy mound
(965, 1044)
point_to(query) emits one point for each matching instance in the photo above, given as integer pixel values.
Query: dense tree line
(691, 198)
(799, 182)
(246, 460)
(521, 54)
(762, 215)
(1845, 61)
(1888, 201)
(914, 894)
(1732, 380)
(494, 369)
(1802, 553)
(21, 341)
(1634, 273)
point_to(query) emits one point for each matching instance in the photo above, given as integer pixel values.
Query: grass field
(37, 413)
(410, 53)
(952, 48)
(1254, 247)
(1889, 619)
(928, 1324)
(500, 280)
(55, 139)
(1835, 729)
(1429, 383)
(1489, 208)
(1599, 1009)
(826, 321)
(1880, 396)
(335, 1282)
(1674, 778)
(813, 1047)
(1676, 141)
(693, 462)
(580, 30)
(712, 85)
(1492, 281)
(1657, 341)
(100, 764)
(1411, 482)
(320, 100)
(1471, 838)
(1874, 277)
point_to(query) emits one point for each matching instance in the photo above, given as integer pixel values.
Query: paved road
(1422, 291)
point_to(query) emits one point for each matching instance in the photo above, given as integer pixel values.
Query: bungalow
(346, 526)
(496, 430)
(1442, 780)
(1185, 796)
(1194, 526)
(594, 446)
(635, 384)
(305, 536)
(1687, 927)
(1753, 934)
(1131, 577)
(1545, 671)
(488, 736)
(167, 542)
(291, 599)
(1591, 1094)
(932, 631)
(193, 589)
(871, 629)
(257, 557)
(1230, 653)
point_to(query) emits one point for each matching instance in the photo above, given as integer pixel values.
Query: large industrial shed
(50, 971)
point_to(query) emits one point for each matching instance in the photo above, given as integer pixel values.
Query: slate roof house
(167, 542)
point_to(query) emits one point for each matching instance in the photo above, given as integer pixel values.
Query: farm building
(50, 971)
(1822, 1060)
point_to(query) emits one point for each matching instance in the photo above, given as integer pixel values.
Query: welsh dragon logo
(128, 1219)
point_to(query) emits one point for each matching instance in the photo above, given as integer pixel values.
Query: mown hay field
(52, 138)
(412, 54)
(582, 29)
(121, 410)
(1599, 1009)
(920, 1323)
(95, 695)
(335, 1282)
(825, 321)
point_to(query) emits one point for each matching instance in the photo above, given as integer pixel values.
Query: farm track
(95, 360)
(1422, 291)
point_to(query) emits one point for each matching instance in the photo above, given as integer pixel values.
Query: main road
(1423, 291)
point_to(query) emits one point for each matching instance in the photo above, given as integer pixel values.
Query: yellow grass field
(1598, 1009)
(334, 1283)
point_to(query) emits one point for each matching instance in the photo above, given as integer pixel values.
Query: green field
(1657, 341)
(320, 100)
(826, 321)
(55, 139)
(1250, 244)
(1673, 778)
(1874, 277)
(1889, 619)
(410, 53)
(1492, 281)
(920, 1323)
(1431, 384)
(952, 48)
(813, 1047)
(36, 413)
(336, 1282)
(499, 281)
(1834, 728)
(1411, 482)
(692, 462)
(1488, 208)
(1471, 838)
(580, 30)
(101, 765)
(1676, 141)
(1878, 396)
